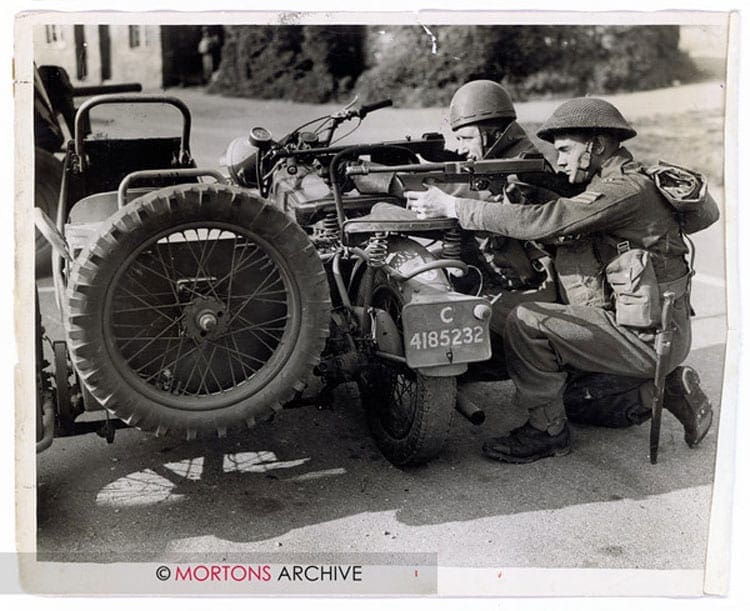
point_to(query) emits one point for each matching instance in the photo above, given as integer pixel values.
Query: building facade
(98, 54)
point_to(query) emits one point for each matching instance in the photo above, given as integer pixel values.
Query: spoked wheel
(409, 414)
(199, 309)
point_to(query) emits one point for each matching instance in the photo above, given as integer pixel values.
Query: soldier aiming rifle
(618, 249)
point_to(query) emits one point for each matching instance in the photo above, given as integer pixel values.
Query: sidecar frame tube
(62, 210)
(166, 175)
(336, 189)
(85, 109)
(339, 280)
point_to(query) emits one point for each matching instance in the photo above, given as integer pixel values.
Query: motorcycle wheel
(200, 308)
(409, 414)
(47, 179)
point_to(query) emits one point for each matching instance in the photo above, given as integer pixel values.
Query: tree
(301, 63)
(423, 65)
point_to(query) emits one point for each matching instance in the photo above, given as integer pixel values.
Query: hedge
(423, 65)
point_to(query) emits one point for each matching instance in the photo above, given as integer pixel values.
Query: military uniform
(620, 208)
(505, 263)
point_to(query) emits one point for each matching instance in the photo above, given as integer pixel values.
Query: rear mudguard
(405, 255)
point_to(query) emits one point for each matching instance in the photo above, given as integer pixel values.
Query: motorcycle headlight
(241, 159)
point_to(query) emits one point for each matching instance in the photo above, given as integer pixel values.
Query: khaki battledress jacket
(621, 206)
(620, 209)
(499, 258)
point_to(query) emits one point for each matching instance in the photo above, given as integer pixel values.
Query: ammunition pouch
(636, 290)
(679, 287)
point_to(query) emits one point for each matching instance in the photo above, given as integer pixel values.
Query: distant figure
(206, 47)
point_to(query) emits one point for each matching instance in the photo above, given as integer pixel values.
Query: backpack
(687, 192)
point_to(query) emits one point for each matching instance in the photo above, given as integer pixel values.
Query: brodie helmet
(480, 101)
(586, 114)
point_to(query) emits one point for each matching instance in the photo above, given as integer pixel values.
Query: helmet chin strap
(584, 164)
(489, 151)
(584, 161)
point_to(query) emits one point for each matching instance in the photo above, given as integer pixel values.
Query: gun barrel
(362, 169)
(485, 166)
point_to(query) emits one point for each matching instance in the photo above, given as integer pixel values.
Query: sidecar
(189, 305)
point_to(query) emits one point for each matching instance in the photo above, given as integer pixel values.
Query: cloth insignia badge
(587, 197)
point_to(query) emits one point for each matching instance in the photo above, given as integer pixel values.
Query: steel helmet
(480, 101)
(586, 114)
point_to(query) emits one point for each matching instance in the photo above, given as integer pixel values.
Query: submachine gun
(484, 175)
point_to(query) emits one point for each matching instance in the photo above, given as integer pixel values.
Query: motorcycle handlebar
(368, 108)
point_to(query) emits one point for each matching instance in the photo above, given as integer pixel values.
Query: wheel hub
(206, 318)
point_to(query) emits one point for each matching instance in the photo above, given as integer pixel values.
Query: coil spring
(330, 226)
(452, 243)
(377, 248)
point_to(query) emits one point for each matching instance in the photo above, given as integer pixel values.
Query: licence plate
(445, 332)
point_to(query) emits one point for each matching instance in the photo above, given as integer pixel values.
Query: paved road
(314, 481)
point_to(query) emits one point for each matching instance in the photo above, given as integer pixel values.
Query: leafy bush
(300, 63)
(643, 57)
(413, 67)
(423, 66)
(532, 61)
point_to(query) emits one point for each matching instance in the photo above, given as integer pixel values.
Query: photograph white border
(718, 561)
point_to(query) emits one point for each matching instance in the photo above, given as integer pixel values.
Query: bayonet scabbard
(663, 347)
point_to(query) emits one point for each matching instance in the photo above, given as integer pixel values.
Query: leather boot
(685, 399)
(527, 444)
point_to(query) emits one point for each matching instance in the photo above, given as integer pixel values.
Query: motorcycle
(200, 307)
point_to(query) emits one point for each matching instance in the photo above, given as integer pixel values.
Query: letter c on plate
(445, 313)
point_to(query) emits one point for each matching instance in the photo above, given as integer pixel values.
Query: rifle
(663, 346)
(484, 175)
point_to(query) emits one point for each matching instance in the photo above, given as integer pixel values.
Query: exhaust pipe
(467, 408)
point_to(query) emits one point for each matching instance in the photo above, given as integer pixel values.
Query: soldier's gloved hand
(432, 203)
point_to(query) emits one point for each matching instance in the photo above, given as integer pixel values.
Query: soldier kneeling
(618, 246)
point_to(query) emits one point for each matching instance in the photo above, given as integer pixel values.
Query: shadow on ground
(98, 502)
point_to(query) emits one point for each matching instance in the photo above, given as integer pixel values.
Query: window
(134, 36)
(82, 61)
(54, 33)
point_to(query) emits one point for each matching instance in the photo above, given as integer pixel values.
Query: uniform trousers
(547, 342)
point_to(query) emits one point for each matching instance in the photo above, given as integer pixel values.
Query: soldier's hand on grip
(432, 203)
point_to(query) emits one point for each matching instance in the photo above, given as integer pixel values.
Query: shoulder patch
(587, 197)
